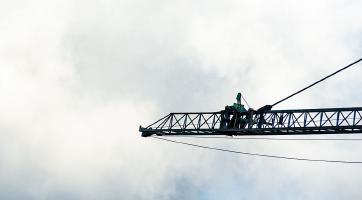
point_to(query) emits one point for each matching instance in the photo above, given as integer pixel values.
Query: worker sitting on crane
(238, 120)
(237, 111)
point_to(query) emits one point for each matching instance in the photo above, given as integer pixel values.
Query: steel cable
(260, 155)
(311, 85)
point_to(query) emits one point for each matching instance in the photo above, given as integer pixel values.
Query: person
(238, 106)
(237, 110)
(237, 113)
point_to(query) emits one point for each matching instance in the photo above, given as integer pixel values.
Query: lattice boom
(275, 122)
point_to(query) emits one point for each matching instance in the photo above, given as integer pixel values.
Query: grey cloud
(77, 82)
(170, 80)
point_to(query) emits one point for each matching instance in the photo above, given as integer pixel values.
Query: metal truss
(274, 122)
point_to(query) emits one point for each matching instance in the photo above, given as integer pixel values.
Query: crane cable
(268, 138)
(245, 100)
(311, 85)
(257, 154)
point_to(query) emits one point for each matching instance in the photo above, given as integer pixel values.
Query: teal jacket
(239, 107)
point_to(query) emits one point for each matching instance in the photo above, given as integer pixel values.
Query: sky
(78, 78)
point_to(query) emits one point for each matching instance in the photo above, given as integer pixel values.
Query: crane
(236, 120)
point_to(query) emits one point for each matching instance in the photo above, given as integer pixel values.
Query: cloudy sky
(78, 77)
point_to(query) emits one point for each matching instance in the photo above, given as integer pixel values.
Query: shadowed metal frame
(274, 122)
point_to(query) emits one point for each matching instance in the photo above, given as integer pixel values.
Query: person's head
(238, 97)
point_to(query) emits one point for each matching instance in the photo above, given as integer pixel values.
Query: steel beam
(274, 122)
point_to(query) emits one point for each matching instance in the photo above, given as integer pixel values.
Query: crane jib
(272, 122)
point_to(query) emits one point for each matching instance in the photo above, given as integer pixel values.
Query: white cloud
(77, 78)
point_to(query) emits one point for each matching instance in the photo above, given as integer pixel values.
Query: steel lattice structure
(274, 122)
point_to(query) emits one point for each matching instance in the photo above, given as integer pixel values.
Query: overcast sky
(78, 77)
